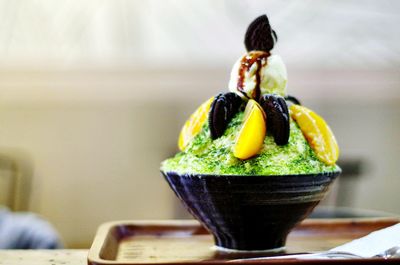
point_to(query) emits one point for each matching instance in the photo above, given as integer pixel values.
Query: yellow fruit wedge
(252, 133)
(317, 133)
(194, 124)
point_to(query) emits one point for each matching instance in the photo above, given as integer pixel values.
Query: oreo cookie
(277, 112)
(259, 35)
(222, 110)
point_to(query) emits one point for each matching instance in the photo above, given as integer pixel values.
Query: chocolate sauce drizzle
(245, 64)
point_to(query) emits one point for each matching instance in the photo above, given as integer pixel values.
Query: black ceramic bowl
(250, 212)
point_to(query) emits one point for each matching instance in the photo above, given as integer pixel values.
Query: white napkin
(368, 246)
(374, 243)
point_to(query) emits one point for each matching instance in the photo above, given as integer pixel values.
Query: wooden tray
(186, 241)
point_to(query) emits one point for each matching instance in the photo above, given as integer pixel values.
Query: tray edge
(102, 232)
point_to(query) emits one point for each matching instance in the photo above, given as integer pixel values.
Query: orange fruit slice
(194, 124)
(317, 133)
(252, 133)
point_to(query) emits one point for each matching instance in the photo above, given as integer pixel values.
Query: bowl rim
(192, 174)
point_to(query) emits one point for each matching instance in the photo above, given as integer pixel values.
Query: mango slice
(252, 133)
(194, 124)
(317, 133)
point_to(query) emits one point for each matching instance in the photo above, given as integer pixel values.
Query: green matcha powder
(206, 156)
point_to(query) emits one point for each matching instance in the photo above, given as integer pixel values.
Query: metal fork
(393, 252)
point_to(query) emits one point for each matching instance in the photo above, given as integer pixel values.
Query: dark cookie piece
(259, 35)
(277, 117)
(222, 110)
(218, 116)
(235, 100)
(282, 131)
(293, 99)
(275, 36)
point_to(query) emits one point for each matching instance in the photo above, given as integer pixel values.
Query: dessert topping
(250, 67)
(194, 124)
(317, 133)
(293, 99)
(278, 117)
(252, 133)
(258, 73)
(259, 35)
(260, 78)
(222, 110)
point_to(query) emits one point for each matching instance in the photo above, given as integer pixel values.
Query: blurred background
(93, 95)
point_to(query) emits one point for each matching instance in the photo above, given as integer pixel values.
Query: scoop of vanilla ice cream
(272, 76)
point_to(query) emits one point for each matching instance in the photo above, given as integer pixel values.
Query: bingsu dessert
(253, 161)
(256, 128)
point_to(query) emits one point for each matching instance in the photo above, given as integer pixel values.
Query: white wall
(92, 164)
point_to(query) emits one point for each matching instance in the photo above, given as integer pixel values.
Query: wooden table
(43, 257)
